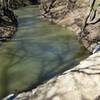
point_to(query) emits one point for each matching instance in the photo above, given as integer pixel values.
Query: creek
(38, 51)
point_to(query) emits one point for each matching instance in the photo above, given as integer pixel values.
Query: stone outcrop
(75, 14)
(80, 83)
(8, 24)
(20, 3)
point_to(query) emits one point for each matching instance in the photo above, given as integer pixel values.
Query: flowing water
(39, 51)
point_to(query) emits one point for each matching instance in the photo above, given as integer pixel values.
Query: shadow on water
(4, 74)
(36, 54)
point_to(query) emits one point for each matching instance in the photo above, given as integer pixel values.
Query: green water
(38, 52)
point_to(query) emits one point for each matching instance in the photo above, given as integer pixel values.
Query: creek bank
(80, 83)
(77, 15)
(8, 24)
(8, 20)
(22, 3)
